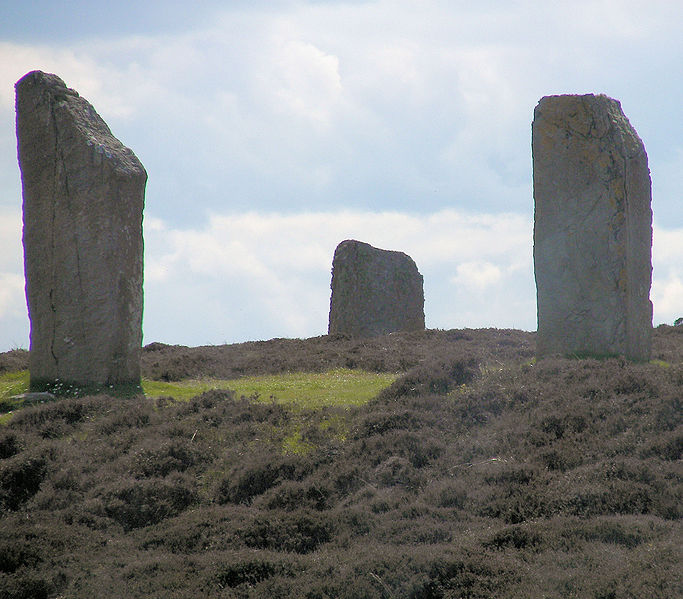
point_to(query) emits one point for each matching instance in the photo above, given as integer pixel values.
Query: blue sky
(271, 131)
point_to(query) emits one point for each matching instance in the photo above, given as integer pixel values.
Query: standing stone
(374, 291)
(592, 229)
(83, 251)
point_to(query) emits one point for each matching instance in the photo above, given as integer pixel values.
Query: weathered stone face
(592, 229)
(374, 291)
(83, 251)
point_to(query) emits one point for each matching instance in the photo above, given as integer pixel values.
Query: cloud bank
(272, 131)
(262, 275)
(252, 276)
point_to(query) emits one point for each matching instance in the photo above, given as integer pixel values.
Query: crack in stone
(53, 273)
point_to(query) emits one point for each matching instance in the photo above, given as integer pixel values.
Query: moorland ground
(476, 473)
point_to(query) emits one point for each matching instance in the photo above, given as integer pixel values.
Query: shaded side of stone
(374, 291)
(83, 197)
(592, 229)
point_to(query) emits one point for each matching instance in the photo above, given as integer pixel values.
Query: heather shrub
(246, 570)
(13, 360)
(669, 447)
(396, 470)
(15, 554)
(136, 415)
(9, 444)
(57, 418)
(28, 585)
(298, 532)
(140, 503)
(515, 537)
(20, 479)
(608, 530)
(254, 474)
(295, 495)
(438, 377)
(159, 459)
(447, 493)
(499, 478)
(457, 578)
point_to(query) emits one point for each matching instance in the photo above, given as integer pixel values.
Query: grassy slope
(476, 474)
(339, 387)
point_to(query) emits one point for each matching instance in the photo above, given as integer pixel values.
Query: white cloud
(257, 276)
(275, 130)
(379, 105)
(667, 284)
(101, 84)
(478, 276)
(627, 20)
(667, 298)
(12, 298)
(262, 275)
(304, 81)
(11, 255)
(13, 313)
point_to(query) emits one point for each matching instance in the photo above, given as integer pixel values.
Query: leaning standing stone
(83, 251)
(374, 291)
(592, 229)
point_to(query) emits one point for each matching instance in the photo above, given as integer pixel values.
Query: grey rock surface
(592, 229)
(35, 397)
(374, 291)
(83, 200)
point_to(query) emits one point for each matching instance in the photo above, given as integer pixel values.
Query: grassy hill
(440, 464)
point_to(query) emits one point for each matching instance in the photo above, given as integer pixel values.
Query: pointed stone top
(49, 81)
(68, 108)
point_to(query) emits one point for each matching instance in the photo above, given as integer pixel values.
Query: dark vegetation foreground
(476, 474)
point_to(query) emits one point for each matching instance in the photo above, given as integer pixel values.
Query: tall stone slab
(83, 196)
(592, 229)
(374, 291)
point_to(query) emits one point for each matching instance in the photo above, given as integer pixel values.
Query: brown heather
(477, 474)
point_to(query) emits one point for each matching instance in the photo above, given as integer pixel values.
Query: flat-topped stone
(374, 291)
(592, 229)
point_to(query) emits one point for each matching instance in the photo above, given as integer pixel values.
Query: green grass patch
(182, 390)
(11, 383)
(341, 387)
(295, 443)
(303, 392)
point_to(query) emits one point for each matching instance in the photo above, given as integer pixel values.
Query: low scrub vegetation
(473, 472)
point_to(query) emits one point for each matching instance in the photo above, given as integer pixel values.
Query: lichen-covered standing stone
(374, 291)
(592, 229)
(83, 250)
